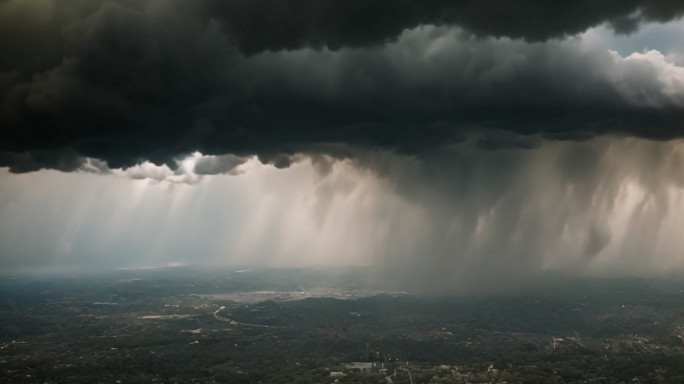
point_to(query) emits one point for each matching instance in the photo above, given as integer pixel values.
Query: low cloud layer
(126, 82)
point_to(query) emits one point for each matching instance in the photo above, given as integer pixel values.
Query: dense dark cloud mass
(275, 25)
(130, 81)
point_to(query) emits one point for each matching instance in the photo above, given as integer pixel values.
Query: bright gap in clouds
(188, 164)
(667, 38)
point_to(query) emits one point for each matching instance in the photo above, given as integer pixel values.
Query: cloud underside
(124, 82)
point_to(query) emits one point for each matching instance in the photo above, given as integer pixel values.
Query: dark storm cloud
(259, 25)
(291, 24)
(37, 160)
(129, 81)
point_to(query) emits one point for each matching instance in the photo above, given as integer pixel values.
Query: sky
(476, 145)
